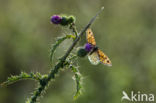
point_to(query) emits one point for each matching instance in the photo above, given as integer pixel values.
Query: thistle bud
(81, 52)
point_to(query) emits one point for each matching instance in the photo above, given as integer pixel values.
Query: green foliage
(57, 43)
(66, 60)
(78, 80)
(23, 76)
(125, 32)
(71, 63)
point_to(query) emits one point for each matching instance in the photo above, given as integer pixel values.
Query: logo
(140, 97)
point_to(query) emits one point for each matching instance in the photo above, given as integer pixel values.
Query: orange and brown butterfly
(95, 55)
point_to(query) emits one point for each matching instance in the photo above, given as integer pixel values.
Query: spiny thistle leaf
(78, 80)
(57, 43)
(77, 76)
(44, 80)
(22, 76)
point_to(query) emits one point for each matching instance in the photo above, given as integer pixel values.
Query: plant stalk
(60, 64)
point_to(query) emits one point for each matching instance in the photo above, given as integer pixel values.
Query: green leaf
(22, 76)
(78, 80)
(57, 43)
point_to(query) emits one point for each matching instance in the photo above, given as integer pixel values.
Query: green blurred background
(125, 31)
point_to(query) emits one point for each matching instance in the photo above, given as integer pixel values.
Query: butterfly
(96, 56)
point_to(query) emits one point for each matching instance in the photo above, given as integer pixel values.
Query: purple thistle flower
(56, 19)
(88, 47)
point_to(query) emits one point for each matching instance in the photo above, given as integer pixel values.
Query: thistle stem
(72, 26)
(60, 64)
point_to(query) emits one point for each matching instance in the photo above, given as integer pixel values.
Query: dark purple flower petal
(88, 47)
(56, 19)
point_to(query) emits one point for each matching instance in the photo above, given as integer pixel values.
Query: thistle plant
(66, 61)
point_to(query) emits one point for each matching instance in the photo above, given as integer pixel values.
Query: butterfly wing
(94, 58)
(90, 37)
(97, 56)
(103, 58)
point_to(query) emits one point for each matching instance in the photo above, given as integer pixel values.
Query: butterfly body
(94, 49)
(95, 55)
